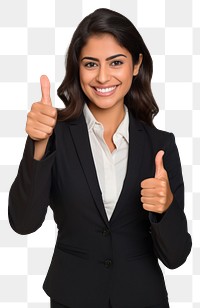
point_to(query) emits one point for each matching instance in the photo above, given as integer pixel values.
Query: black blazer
(96, 260)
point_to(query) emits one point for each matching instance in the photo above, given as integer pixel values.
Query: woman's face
(106, 71)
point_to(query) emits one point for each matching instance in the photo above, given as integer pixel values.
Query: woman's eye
(90, 64)
(116, 63)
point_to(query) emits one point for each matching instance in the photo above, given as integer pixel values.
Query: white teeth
(105, 90)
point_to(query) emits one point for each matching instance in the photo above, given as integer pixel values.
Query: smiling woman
(113, 181)
(106, 73)
(117, 39)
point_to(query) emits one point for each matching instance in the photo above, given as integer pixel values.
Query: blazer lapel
(135, 157)
(80, 137)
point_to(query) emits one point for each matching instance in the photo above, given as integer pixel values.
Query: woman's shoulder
(155, 135)
(63, 124)
(155, 131)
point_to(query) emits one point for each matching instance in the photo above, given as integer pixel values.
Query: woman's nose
(103, 75)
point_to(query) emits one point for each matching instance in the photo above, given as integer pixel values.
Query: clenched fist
(156, 193)
(41, 119)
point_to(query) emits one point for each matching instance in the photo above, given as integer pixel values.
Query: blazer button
(108, 263)
(105, 232)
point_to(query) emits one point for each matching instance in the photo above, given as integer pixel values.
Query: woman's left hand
(156, 192)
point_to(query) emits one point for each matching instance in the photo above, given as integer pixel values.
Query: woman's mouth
(105, 91)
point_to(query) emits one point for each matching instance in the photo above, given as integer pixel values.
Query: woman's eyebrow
(107, 59)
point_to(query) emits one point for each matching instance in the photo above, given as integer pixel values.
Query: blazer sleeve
(172, 242)
(29, 195)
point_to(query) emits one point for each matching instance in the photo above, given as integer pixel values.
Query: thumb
(159, 165)
(45, 88)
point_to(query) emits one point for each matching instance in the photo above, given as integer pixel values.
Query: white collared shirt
(110, 167)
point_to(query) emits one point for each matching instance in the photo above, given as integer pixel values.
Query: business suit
(95, 260)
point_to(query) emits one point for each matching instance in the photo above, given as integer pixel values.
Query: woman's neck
(110, 118)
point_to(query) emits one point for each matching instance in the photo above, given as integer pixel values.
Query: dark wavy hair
(139, 99)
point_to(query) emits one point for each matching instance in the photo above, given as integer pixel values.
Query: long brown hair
(139, 99)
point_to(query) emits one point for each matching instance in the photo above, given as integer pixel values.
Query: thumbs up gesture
(41, 119)
(156, 194)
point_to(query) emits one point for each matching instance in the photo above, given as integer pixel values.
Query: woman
(113, 180)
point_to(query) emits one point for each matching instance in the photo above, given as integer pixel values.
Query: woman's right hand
(42, 117)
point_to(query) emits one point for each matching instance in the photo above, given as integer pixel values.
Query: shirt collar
(123, 128)
(90, 119)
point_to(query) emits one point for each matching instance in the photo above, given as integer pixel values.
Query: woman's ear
(136, 67)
